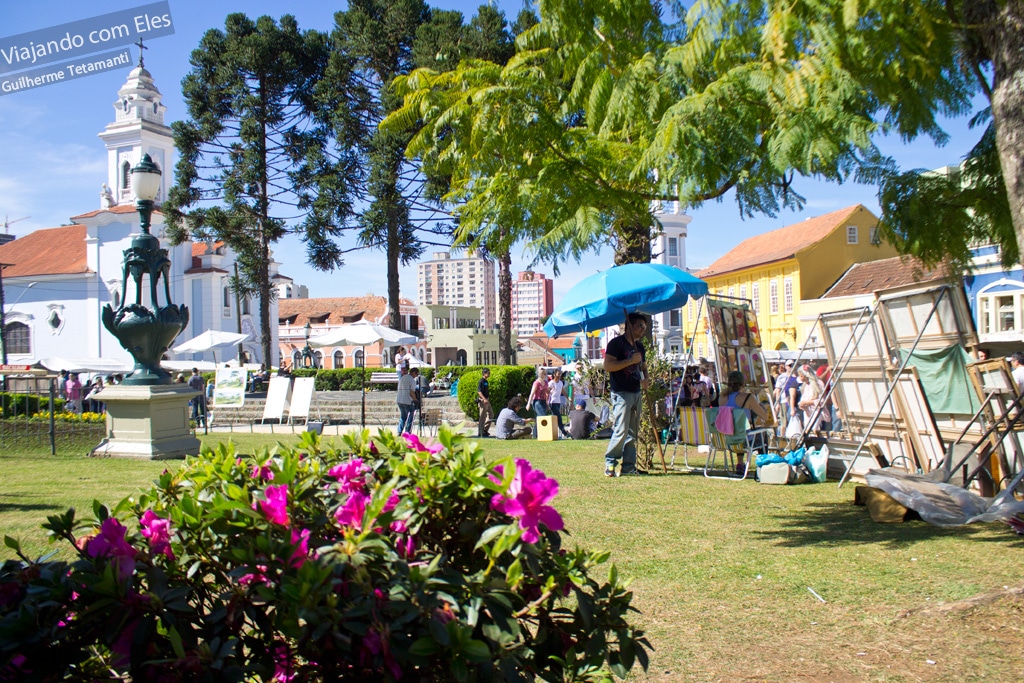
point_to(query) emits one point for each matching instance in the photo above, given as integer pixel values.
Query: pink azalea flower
(527, 499)
(259, 576)
(262, 472)
(375, 643)
(373, 448)
(392, 502)
(300, 539)
(275, 507)
(284, 668)
(415, 443)
(351, 475)
(110, 542)
(158, 531)
(351, 513)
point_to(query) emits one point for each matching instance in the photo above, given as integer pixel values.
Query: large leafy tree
(827, 75)
(260, 156)
(378, 35)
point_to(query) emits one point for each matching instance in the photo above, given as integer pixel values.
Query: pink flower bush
(284, 668)
(275, 507)
(110, 542)
(157, 531)
(415, 443)
(351, 475)
(262, 472)
(300, 539)
(527, 498)
(351, 513)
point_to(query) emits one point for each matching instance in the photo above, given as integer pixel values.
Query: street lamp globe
(146, 179)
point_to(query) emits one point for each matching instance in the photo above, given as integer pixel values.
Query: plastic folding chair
(746, 442)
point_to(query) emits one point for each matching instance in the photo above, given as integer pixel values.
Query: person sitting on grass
(581, 421)
(510, 425)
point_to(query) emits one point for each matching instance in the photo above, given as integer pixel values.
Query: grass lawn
(721, 569)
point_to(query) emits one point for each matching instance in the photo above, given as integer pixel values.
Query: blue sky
(52, 163)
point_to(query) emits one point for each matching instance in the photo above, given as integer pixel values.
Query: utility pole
(3, 320)
(238, 318)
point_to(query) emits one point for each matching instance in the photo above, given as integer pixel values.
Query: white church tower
(138, 128)
(669, 247)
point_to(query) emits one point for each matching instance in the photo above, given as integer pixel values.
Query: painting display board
(737, 337)
(229, 387)
(278, 395)
(302, 396)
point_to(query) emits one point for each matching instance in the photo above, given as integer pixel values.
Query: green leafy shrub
(13, 404)
(506, 381)
(387, 560)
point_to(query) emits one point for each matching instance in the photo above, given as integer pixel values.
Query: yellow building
(777, 269)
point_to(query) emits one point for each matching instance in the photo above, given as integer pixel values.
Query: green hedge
(506, 381)
(27, 404)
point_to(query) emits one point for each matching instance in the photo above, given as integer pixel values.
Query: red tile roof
(778, 245)
(120, 208)
(51, 251)
(874, 276)
(336, 311)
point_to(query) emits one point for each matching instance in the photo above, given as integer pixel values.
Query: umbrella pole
(362, 392)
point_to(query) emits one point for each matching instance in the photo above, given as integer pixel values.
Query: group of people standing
(83, 398)
(802, 396)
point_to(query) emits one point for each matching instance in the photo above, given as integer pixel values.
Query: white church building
(57, 280)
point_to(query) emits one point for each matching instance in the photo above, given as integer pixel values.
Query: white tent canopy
(100, 365)
(211, 340)
(361, 333)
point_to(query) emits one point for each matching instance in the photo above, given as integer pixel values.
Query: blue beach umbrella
(604, 299)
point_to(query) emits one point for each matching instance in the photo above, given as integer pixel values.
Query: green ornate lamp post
(146, 334)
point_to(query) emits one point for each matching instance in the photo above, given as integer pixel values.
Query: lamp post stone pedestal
(148, 422)
(147, 415)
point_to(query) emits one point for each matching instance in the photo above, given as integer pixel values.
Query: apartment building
(459, 281)
(532, 302)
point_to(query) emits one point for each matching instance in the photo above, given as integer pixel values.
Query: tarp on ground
(943, 374)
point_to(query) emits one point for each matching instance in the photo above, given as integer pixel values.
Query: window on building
(873, 236)
(851, 234)
(18, 339)
(1000, 312)
(339, 359)
(358, 355)
(227, 302)
(245, 304)
(773, 296)
(732, 291)
(690, 311)
(700, 349)
(755, 296)
(674, 318)
(743, 291)
(787, 294)
(126, 175)
(673, 246)
(296, 359)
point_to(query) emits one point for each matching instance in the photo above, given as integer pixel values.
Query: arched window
(359, 358)
(297, 359)
(126, 175)
(124, 105)
(385, 359)
(421, 353)
(339, 359)
(245, 306)
(318, 359)
(17, 338)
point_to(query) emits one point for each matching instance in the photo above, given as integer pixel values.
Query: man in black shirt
(626, 365)
(581, 421)
(483, 400)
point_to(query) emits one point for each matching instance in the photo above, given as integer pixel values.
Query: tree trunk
(1003, 37)
(505, 308)
(632, 242)
(266, 340)
(394, 289)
